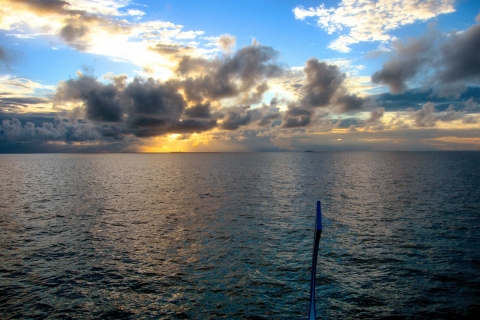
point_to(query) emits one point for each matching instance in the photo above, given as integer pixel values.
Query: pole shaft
(318, 232)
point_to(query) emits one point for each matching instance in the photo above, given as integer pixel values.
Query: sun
(174, 142)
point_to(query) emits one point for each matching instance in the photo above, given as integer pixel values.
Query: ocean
(230, 235)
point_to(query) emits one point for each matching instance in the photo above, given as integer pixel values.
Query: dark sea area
(230, 235)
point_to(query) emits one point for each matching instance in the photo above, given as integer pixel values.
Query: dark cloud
(154, 100)
(229, 76)
(236, 117)
(194, 125)
(376, 115)
(427, 116)
(296, 116)
(406, 64)
(322, 82)
(63, 130)
(199, 111)
(375, 120)
(147, 107)
(151, 127)
(350, 102)
(37, 118)
(323, 89)
(72, 31)
(260, 117)
(461, 56)
(447, 63)
(243, 76)
(266, 114)
(144, 107)
(102, 102)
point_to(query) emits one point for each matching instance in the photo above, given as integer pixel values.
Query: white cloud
(367, 20)
(103, 27)
(24, 95)
(23, 87)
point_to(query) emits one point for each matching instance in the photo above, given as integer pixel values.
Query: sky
(239, 76)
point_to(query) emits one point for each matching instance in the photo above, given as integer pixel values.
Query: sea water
(230, 235)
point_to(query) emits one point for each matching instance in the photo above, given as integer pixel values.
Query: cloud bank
(205, 95)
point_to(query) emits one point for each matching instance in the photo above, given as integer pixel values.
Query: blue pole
(318, 232)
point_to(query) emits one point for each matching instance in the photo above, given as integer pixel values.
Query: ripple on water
(229, 235)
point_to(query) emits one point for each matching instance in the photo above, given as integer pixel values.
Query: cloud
(322, 82)
(323, 88)
(200, 110)
(207, 94)
(4, 57)
(9, 102)
(460, 56)
(7, 57)
(227, 42)
(260, 118)
(296, 116)
(102, 102)
(407, 62)
(367, 21)
(103, 27)
(63, 130)
(20, 95)
(446, 62)
(229, 76)
(21, 86)
(172, 49)
(468, 100)
(236, 117)
(144, 107)
(375, 120)
(428, 117)
(195, 100)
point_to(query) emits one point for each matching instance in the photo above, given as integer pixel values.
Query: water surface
(210, 236)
